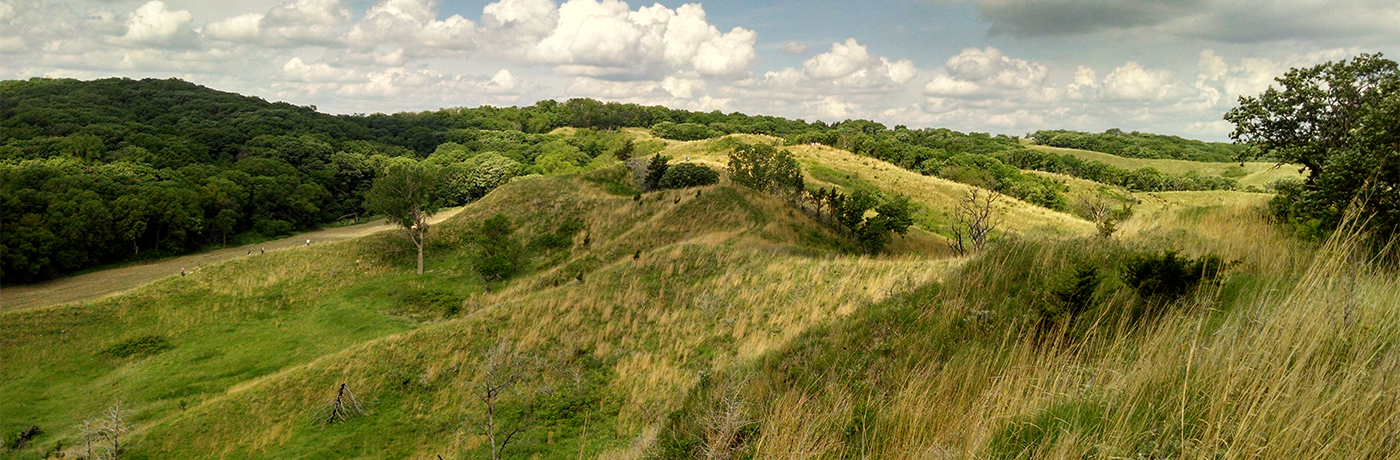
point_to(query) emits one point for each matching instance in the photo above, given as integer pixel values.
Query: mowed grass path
(103, 283)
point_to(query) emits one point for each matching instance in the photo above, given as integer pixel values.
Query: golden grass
(1257, 173)
(935, 192)
(1305, 368)
(704, 294)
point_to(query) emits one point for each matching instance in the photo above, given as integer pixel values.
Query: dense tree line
(1138, 180)
(1139, 145)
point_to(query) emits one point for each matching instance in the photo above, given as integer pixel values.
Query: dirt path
(103, 283)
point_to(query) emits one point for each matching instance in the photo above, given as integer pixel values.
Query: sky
(999, 66)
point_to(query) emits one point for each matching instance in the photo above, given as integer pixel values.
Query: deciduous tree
(407, 195)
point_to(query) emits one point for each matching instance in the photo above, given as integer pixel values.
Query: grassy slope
(1257, 174)
(937, 194)
(893, 357)
(1289, 357)
(260, 344)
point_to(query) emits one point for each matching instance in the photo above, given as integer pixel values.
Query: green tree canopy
(407, 194)
(1341, 121)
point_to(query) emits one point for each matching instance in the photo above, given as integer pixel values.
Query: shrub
(683, 131)
(688, 175)
(145, 345)
(498, 254)
(1167, 275)
(656, 169)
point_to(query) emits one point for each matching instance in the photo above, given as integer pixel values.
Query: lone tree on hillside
(1341, 121)
(502, 370)
(407, 194)
(977, 217)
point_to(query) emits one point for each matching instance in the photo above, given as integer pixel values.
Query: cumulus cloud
(412, 24)
(1131, 82)
(851, 63)
(154, 24)
(985, 72)
(607, 38)
(303, 22)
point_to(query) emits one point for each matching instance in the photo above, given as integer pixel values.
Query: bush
(145, 345)
(683, 131)
(656, 169)
(498, 254)
(688, 175)
(1168, 276)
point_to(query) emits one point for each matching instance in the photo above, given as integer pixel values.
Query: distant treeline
(104, 171)
(1139, 145)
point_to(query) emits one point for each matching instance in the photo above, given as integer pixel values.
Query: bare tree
(111, 427)
(89, 431)
(724, 423)
(1104, 217)
(345, 406)
(503, 369)
(977, 216)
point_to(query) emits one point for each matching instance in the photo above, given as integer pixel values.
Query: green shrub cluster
(145, 345)
(497, 251)
(684, 175)
(684, 131)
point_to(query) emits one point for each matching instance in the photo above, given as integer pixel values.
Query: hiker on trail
(308, 242)
(263, 250)
(250, 252)
(182, 272)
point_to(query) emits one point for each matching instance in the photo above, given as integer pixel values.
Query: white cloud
(986, 72)
(843, 59)
(1134, 83)
(606, 38)
(302, 22)
(242, 28)
(851, 64)
(154, 24)
(413, 25)
(297, 70)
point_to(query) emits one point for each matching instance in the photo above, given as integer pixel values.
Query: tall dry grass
(1302, 362)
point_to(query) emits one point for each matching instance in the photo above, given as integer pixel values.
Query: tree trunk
(420, 255)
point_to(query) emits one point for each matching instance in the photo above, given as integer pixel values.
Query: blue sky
(1002, 66)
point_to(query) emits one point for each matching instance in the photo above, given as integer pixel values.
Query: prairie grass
(1292, 355)
(1255, 173)
(934, 193)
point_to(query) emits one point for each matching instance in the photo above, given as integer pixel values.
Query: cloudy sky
(1002, 66)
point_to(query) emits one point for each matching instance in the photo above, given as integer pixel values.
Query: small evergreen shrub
(498, 254)
(1167, 275)
(686, 175)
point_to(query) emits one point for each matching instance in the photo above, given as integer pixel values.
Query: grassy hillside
(644, 297)
(1288, 356)
(1252, 174)
(846, 170)
(715, 320)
